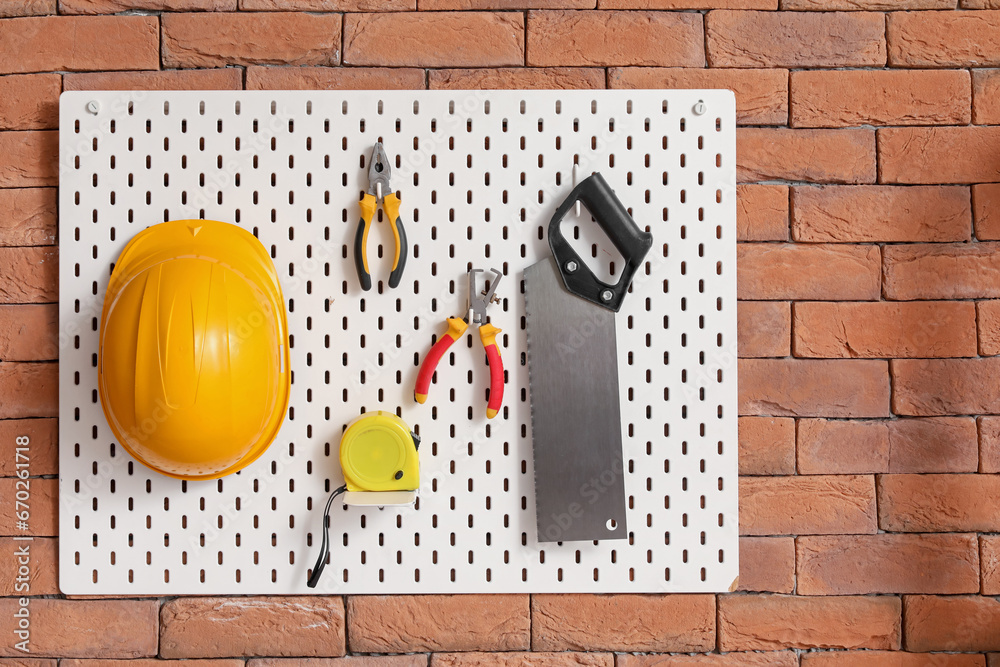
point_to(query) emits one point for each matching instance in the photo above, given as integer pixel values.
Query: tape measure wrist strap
(324, 549)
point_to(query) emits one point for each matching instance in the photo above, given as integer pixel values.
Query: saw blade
(575, 413)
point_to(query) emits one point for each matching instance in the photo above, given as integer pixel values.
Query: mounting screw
(571, 266)
(699, 108)
(93, 106)
(606, 295)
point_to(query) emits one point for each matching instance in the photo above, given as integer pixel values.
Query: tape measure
(378, 456)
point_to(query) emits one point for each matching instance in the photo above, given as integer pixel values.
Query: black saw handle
(633, 243)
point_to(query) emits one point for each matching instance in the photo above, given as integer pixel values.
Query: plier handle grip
(379, 190)
(476, 314)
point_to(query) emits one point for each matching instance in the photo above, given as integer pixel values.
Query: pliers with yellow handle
(379, 172)
(476, 312)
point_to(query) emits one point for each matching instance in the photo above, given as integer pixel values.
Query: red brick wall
(869, 275)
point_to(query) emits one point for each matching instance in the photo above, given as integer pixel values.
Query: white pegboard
(479, 175)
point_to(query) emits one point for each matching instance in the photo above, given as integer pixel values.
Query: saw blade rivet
(571, 266)
(606, 295)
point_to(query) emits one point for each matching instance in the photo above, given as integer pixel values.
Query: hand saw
(573, 375)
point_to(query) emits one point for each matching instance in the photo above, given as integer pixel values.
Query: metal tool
(475, 308)
(378, 456)
(573, 375)
(379, 191)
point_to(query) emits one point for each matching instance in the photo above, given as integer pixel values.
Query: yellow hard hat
(193, 363)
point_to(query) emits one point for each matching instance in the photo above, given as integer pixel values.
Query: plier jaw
(379, 173)
(479, 301)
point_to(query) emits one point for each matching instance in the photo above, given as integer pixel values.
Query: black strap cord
(324, 549)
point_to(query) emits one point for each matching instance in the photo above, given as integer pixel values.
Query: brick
(986, 211)
(938, 503)
(203, 79)
(935, 444)
(747, 659)
(548, 78)
(761, 95)
(609, 38)
(989, 444)
(115, 6)
(814, 387)
(842, 447)
(43, 506)
(42, 563)
(228, 627)
(795, 40)
(505, 4)
(562, 659)
(27, 216)
(29, 159)
(880, 214)
(939, 154)
(767, 446)
(989, 555)
(280, 38)
(816, 156)
(845, 98)
(963, 623)
(941, 444)
(623, 623)
(74, 43)
(31, 275)
(889, 659)
(767, 564)
(808, 505)
(329, 5)
(29, 333)
(942, 271)
(29, 390)
(446, 39)
(28, 662)
(29, 101)
(334, 78)
(43, 446)
(761, 212)
(979, 4)
(944, 39)
(884, 329)
(865, 564)
(986, 96)
(946, 386)
(27, 8)
(406, 623)
(416, 660)
(865, 5)
(687, 4)
(764, 328)
(768, 622)
(769, 271)
(85, 628)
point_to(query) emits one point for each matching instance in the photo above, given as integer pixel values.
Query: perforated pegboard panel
(479, 174)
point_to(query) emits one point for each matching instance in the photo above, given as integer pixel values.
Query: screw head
(606, 295)
(699, 108)
(571, 266)
(93, 106)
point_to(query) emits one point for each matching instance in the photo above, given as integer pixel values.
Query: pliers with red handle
(476, 313)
